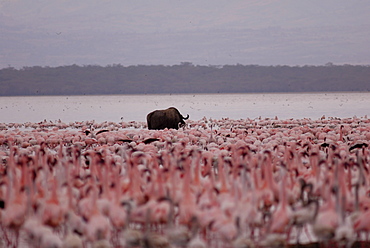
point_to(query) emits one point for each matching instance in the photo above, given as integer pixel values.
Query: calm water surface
(136, 107)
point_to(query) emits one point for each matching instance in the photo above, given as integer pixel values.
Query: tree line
(181, 78)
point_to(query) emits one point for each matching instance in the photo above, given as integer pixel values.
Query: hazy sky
(216, 32)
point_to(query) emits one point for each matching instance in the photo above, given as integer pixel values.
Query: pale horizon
(106, 32)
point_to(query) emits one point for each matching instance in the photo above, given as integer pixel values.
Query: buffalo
(166, 118)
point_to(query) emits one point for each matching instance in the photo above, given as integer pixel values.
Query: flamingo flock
(215, 183)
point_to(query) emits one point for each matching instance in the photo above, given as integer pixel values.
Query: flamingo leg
(5, 236)
(307, 234)
(299, 231)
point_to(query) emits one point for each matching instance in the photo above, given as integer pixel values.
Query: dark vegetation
(183, 78)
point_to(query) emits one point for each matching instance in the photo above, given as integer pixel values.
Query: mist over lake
(118, 108)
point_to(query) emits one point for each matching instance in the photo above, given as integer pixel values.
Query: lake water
(136, 107)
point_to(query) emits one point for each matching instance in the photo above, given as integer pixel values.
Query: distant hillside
(183, 78)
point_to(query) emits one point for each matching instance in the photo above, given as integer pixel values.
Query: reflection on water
(136, 107)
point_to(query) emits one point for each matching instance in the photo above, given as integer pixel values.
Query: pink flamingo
(132, 237)
(14, 214)
(326, 219)
(178, 235)
(98, 226)
(52, 211)
(280, 220)
(187, 205)
(196, 241)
